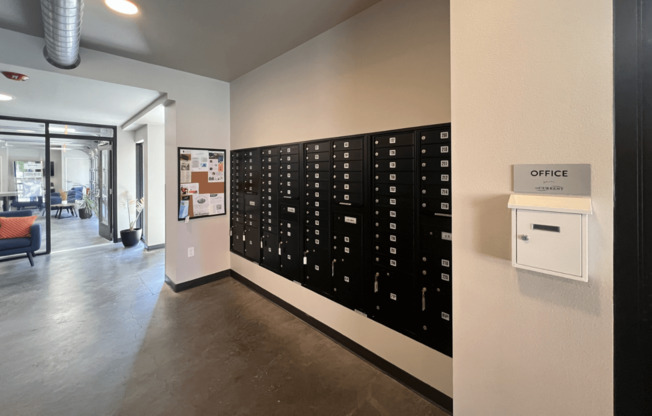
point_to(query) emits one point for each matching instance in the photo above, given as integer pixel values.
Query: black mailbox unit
(393, 246)
(269, 191)
(237, 203)
(434, 307)
(290, 230)
(364, 220)
(349, 195)
(317, 273)
(252, 179)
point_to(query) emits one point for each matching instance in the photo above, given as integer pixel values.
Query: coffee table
(68, 207)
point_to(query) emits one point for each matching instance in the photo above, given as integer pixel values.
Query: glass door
(105, 185)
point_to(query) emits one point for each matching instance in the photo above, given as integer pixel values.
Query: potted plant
(87, 206)
(131, 236)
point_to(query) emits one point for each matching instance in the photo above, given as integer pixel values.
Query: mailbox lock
(523, 237)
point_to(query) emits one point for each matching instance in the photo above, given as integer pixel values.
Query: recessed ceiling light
(122, 6)
(5, 97)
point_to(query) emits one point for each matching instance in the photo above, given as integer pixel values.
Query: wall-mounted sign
(573, 179)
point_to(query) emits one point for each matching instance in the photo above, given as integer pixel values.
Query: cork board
(202, 186)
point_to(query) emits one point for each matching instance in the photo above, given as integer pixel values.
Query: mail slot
(318, 185)
(339, 177)
(399, 152)
(313, 147)
(347, 187)
(398, 139)
(287, 150)
(398, 190)
(390, 201)
(318, 157)
(402, 178)
(434, 136)
(348, 154)
(288, 167)
(320, 166)
(550, 234)
(349, 144)
(316, 176)
(393, 165)
(269, 151)
(436, 150)
(343, 165)
(345, 198)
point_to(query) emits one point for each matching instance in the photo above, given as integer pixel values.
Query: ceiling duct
(62, 26)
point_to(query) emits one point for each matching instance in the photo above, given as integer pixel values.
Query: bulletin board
(202, 185)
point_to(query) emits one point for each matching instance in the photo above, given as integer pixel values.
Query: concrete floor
(96, 332)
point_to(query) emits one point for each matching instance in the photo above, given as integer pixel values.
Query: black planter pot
(85, 213)
(131, 237)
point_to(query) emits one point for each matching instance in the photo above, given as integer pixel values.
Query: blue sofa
(55, 198)
(27, 245)
(35, 202)
(75, 193)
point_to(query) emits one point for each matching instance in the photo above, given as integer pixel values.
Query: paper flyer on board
(199, 160)
(183, 207)
(217, 204)
(185, 175)
(215, 166)
(189, 188)
(200, 205)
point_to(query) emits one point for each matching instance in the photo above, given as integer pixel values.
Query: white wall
(22, 153)
(531, 83)
(126, 175)
(201, 107)
(76, 169)
(154, 172)
(57, 179)
(386, 68)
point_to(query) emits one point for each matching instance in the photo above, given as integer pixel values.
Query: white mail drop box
(550, 234)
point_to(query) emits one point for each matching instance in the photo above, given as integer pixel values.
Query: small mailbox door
(549, 240)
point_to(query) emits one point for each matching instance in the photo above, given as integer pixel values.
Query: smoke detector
(15, 76)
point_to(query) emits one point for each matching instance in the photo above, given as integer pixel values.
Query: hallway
(96, 331)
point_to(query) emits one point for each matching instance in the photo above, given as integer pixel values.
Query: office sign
(571, 179)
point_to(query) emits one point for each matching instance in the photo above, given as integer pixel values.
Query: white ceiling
(51, 96)
(221, 39)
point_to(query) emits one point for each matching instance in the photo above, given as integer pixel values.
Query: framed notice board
(202, 185)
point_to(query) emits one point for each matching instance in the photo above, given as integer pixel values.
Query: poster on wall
(202, 187)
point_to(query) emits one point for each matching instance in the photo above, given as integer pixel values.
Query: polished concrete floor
(70, 232)
(96, 332)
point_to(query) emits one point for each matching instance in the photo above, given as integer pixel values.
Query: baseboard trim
(428, 392)
(154, 247)
(180, 287)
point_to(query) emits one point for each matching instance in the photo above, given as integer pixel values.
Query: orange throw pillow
(15, 227)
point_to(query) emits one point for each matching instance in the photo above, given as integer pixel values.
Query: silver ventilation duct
(62, 26)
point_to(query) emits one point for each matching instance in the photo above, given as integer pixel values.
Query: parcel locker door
(289, 211)
(317, 268)
(252, 243)
(252, 204)
(269, 256)
(433, 318)
(290, 250)
(347, 259)
(237, 238)
(393, 298)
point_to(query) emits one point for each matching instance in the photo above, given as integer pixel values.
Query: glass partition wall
(54, 169)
